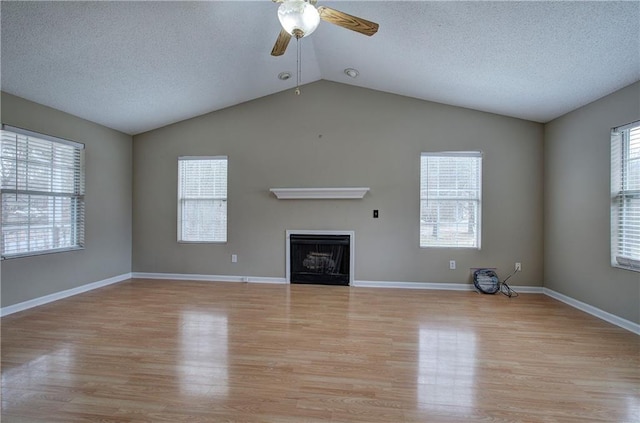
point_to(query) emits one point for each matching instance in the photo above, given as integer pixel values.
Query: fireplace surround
(323, 257)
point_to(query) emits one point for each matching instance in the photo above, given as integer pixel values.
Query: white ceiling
(136, 66)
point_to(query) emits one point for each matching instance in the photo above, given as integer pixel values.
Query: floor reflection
(446, 369)
(633, 409)
(203, 368)
(46, 369)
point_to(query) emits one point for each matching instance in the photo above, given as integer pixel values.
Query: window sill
(626, 263)
(629, 268)
(40, 253)
(201, 242)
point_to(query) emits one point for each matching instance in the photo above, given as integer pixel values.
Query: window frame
(180, 201)
(76, 195)
(624, 190)
(471, 154)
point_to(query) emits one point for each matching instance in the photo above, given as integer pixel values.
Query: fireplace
(320, 257)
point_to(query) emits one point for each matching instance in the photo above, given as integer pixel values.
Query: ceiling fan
(300, 18)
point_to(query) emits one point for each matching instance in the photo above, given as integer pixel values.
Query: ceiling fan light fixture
(298, 17)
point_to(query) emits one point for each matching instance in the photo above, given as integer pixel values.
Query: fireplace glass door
(319, 259)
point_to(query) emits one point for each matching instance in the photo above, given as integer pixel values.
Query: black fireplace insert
(319, 259)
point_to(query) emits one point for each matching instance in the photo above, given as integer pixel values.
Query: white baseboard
(207, 278)
(5, 311)
(361, 284)
(594, 311)
(414, 285)
(255, 279)
(438, 286)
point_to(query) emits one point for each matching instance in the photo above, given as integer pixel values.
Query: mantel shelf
(344, 193)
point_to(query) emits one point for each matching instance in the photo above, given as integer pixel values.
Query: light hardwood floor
(176, 351)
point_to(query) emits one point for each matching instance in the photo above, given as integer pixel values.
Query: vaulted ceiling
(136, 66)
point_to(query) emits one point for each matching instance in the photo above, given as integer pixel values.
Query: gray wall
(108, 207)
(346, 136)
(577, 200)
(335, 135)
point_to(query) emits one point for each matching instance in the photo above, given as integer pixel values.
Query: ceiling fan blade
(281, 43)
(345, 20)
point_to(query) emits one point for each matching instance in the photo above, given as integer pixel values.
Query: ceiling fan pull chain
(298, 65)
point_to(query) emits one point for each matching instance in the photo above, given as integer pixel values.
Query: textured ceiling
(136, 66)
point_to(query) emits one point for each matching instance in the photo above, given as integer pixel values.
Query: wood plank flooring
(176, 351)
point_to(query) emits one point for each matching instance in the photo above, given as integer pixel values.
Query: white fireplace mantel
(319, 193)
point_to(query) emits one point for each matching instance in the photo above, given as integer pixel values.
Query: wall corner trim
(594, 311)
(14, 308)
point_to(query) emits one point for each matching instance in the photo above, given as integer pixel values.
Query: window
(42, 193)
(625, 196)
(202, 199)
(450, 199)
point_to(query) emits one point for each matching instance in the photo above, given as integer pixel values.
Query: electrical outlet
(452, 264)
(234, 258)
(518, 266)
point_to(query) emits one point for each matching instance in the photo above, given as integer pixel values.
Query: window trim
(179, 199)
(467, 154)
(79, 232)
(619, 148)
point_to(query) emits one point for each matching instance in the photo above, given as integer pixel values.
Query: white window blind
(450, 199)
(42, 193)
(202, 199)
(625, 196)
